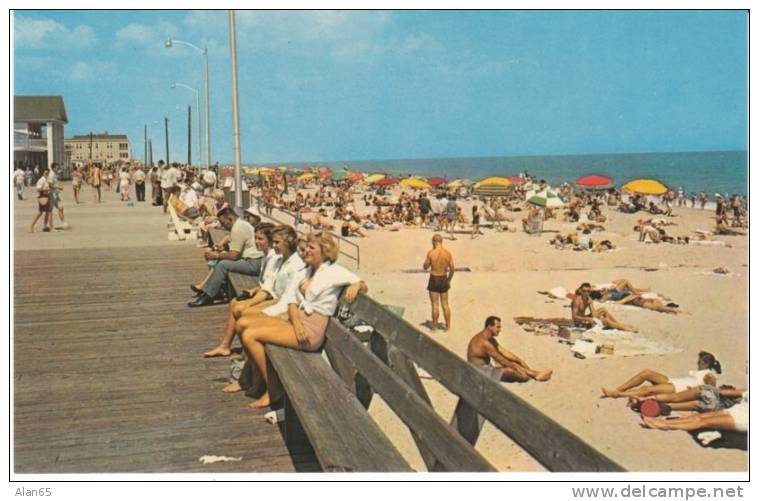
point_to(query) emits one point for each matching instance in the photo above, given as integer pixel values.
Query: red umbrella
(386, 181)
(595, 182)
(435, 181)
(516, 180)
(355, 176)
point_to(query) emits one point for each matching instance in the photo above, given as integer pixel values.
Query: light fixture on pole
(174, 85)
(169, 43)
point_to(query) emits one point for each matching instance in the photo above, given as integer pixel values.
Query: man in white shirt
(243, 257)
(55, 194)
(138, 176)
(18, 181)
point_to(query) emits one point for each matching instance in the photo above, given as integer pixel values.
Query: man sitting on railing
(483, 347)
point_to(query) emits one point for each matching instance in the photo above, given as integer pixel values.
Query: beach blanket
(710, 242)
(626, 344)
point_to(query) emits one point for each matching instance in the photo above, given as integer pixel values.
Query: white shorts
(739, 413)
(683, 383)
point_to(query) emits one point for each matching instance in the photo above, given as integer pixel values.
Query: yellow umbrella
(494, 181)
(374, 178)
(266, 171)
(645, 187)
(455, 184)
(415, 183)
(305, 177)
(282, 168)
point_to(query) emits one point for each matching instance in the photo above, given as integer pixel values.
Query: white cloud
(145, 35)
(82, 71)
(41, 33)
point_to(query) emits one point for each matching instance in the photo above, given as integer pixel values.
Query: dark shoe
(203, 300)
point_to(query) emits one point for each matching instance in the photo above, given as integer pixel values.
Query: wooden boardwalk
(108, 371)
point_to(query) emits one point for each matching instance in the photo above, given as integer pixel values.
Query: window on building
(123, 146)
(124, 155)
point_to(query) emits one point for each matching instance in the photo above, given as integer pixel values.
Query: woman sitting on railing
(310, 305)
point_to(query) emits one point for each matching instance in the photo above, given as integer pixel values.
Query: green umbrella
(339, 175)
(547, 199)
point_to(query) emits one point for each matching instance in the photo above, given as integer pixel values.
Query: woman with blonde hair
(310, 304)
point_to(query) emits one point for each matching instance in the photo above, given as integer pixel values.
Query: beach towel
(626, 344)
(217, 459)
(709, 242)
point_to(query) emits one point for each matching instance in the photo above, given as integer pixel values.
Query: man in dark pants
(242, 257)
(139, 183)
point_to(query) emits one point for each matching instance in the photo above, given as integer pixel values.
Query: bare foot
(543, 376)
(232, 388)
(610, 393)
(31, 229)
(657, 424)
(261, 403)
(219, 351)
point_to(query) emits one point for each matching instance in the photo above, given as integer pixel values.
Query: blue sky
(358, 85)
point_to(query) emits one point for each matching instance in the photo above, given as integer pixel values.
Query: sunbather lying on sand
(702, 398)
(707, 369)
(733, 419)
(724, 228)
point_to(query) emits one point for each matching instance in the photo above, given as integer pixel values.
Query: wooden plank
(242, 282)
(401, 365)
(444, 442)
(552, 445)
(339, 429)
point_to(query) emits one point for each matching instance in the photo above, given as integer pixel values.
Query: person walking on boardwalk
(138, 176)
(440, 263)
(95, 179)
(483, 347)
(18, 182)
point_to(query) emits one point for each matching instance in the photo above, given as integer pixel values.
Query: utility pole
(189, 135)
(166, 133)
(150, 151)
(145, 140)
(235, 109)
(90, 147)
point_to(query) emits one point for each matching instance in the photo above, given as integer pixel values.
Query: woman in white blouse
(310, 305)
(273, 241)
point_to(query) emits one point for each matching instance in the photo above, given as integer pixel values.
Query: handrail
(357, 257)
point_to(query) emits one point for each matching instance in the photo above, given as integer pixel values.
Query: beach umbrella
(339, 175)
(436, 181)
(595, 182)
(455, 184)
(386, 181)
(355, 176)
(494, 181)
(374, 178)
(547, 199)
(415, 183)
(492, 191)
(516, 180)
(282, 168)
(305, 177)
(645, 187)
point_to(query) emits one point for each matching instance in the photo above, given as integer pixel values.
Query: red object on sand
(435, 181)
(387, 181)
(650, 408)
(597, 181)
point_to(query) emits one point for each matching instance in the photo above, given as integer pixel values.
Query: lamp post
(235, 109)
(204, 51)
(166, 132)
(174, 85)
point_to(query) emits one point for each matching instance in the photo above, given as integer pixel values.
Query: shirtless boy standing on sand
(484, 346)
(440, 263)
(584, 314)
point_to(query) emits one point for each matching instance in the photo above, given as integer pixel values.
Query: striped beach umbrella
(645, 187)
(595, 182)
(547, 199)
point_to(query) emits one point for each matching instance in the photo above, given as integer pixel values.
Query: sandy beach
(507, 271)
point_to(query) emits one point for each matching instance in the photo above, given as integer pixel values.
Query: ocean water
(709, 171)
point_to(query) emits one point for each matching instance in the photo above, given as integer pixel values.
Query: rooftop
(98, 137)
(39, 109)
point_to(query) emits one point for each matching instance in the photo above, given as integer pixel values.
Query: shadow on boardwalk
(108, 371)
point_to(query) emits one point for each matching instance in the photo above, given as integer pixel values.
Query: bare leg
(609, 321)
(718, 420)
(622, 284)
(446, 310)
(36, 218)
(273, 331)
(637, 380)
(435, 299)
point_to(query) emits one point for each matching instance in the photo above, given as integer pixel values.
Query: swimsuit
(617, 295)
(438, 283)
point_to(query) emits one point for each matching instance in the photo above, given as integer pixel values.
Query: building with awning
(38, 123)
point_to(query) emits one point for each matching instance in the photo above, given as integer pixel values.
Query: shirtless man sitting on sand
(483, 346)
(584, 314)
(440, 263)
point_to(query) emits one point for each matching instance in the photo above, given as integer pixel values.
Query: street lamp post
(166, 132)
(235, 108)
(204, 51)
(174, 85)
